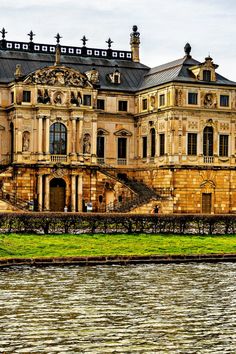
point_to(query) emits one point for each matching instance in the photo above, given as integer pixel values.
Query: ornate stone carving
(192, 125)
(86, 144)
(178, 97)
(93, 76)
(209, 100)
(58, 76)
(25, 141)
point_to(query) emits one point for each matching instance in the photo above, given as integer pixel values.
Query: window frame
(120, 106)
(56, 133)
(193, 97)
(223, 145)
(26, 96)
(192, 144)
(162, 100)
(87, 99)
(144, 104)
(222, 103)
(99, 101)
(162, 144)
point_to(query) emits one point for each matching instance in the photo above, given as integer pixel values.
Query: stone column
(47, 194)
(40, 192)
(40, 134)
(73, 193)
(47, 131)
(94, 141)
(80, 192)
(80, 135)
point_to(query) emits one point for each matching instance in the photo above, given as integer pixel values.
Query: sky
(165, 26)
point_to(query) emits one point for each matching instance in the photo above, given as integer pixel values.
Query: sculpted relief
(58, 76)
(209, 100)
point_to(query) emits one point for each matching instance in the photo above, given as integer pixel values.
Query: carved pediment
(58, 76)
(123, 132)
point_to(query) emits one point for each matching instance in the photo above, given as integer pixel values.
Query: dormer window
(206, 75)
(115, 77)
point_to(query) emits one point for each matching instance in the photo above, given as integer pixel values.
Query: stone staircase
(142, 194)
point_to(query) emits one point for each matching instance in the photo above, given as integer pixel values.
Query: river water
(185, 308)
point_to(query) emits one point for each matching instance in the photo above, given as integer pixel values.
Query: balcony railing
(100, 160)
(121, 161)
(58, 158)
(208, 159)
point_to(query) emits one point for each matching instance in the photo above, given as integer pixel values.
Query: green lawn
(16, 245)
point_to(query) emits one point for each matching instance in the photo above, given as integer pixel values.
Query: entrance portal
(57, 194)
(206, 203)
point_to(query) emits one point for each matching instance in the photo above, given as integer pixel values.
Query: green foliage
(29, 246)
(78, 223)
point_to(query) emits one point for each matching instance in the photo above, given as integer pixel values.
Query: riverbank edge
(117, 260)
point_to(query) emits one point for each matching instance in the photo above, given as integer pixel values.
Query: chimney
(134, 43)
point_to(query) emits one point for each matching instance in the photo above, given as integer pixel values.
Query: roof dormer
(205, 71)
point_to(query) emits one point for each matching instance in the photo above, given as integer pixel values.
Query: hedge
(77, 223)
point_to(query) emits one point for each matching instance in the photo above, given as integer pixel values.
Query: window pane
(192, 144)
(206, 75)
(224, 145)
(192, 98)
(122, 106)
(162, 144)
(208, 141)
(144, 104)
(144, 146)
(161, 100)
(224, 100)
(100, 104)
(58, 139)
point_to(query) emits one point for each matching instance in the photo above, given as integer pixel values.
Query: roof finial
(58, 37)
(3, 31)
(187, 49)
(31, 36)
(109, 42)
(135, 42)
(84, 40)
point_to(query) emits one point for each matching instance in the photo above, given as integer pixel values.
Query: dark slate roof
(177, 70)
(134, 76)
(131, 73)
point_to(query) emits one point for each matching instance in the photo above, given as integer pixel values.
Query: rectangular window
(192, 144)
(144, 147)
(206, 75)
(12, 97)
(162, 100)
(162, 144)
(192, 98)
(123, 106)
(224, 145)
(26, 96)
(87, 100)
(100, 104)
(224, 100)
(144, 104)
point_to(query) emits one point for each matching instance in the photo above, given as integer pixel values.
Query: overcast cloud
(208, 25)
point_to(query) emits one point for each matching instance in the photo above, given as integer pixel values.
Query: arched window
(58, 139)
(153, 142)
(208, 141)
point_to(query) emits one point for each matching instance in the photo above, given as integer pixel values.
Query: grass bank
(30, 246)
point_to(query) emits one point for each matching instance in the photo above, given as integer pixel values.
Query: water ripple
(182, 309)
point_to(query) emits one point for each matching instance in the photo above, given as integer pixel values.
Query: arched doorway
(57, 194)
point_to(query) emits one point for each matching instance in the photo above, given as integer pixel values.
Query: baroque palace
(95, 130)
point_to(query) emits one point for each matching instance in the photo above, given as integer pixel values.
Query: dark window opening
(100, 104)
(144, 104)
(122, 148)
(123, 106)
(161, 100)
(144, 147)
(12, 97)
(224, 100)
(26, 96)
(192, 98)
(120, 198)
(87, 100)
(162, 144)
(100, 199)
(58, 139)
(208, 141)
(192, 144)
(224, 145)
(206, 75)
(100, 146)
(153, 142)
